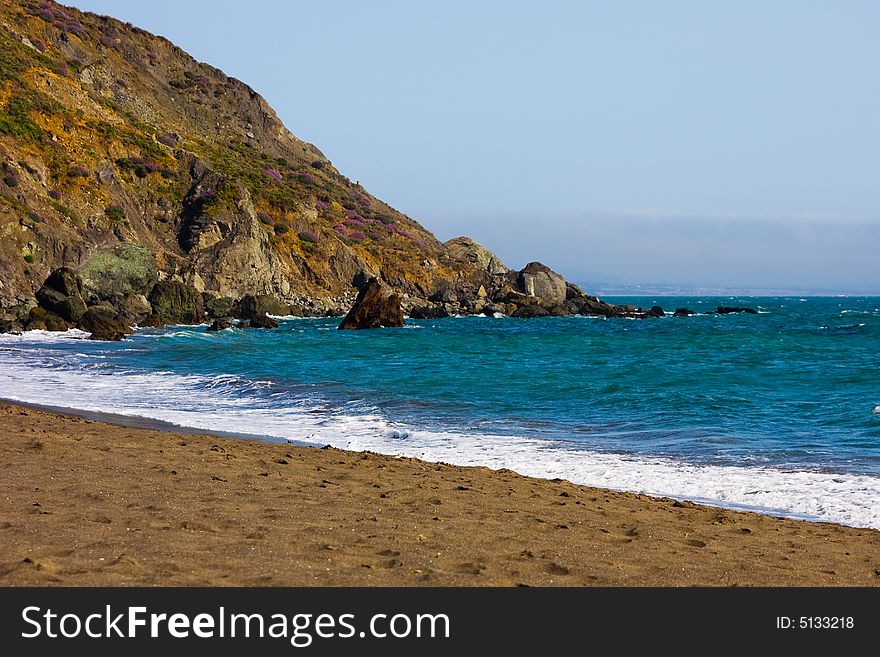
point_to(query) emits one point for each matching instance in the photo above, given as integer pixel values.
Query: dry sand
(88, 503)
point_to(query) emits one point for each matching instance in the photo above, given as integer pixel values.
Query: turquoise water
(669, 405)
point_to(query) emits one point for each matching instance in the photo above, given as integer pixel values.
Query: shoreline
(155, 424)
(92, 503)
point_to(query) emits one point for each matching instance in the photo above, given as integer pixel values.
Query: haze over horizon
(678, 143)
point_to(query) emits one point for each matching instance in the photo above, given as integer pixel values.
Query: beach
(87, 503)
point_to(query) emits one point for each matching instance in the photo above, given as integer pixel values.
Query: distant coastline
(683, 290)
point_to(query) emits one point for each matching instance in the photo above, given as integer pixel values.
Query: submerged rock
(727, 310)
(374, 307)
(220, 324)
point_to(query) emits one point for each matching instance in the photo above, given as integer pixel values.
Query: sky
(688, 142)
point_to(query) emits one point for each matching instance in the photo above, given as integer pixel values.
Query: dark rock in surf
(177, 303)
(254, 305)
(683, 312)
(530, 311)
(264, 322)
(374, 307)
(220, 324)
(727, 310)
(104, 323)
(428, 312)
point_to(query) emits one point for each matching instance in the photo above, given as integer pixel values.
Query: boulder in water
(177, 303)
(374, 307)
(428, 312)
(727, 310)
(530, 311)
(104, 323)
(220, 324)
(264, 322)
(254, 305)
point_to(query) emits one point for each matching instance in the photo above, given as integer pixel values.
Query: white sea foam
(217, 404)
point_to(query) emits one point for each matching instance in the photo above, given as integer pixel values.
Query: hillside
(120, 152)
(136, 169)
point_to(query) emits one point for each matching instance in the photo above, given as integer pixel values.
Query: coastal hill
(130, 163)
(120, 151)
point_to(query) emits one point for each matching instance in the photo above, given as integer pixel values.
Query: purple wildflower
(61, 69)
(357, 236)
(74, 27)
(303, 175)
(274, 174)
(308, 236)
(168, 139)
(55, 194)
(321, 206)
(78, 171)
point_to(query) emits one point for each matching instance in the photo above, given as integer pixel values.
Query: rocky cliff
(122, 155)
(133, 165)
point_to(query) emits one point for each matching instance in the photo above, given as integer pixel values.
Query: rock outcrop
(177, 303)
(131, 162)
(538, 280)
(468, 250)
(374, 307)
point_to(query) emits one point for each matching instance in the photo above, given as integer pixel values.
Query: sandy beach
(87, 503)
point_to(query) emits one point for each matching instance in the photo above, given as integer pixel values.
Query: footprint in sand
(554, 568)
(469, 568)
(43, 565)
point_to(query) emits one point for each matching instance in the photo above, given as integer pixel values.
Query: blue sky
(727, 144)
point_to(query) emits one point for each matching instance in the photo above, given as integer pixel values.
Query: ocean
(777, 412)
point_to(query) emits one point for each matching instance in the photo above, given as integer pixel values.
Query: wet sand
(87, 503)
